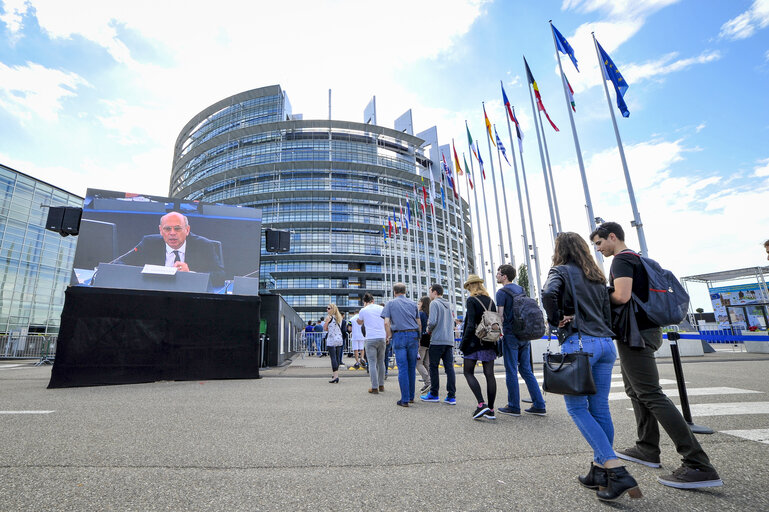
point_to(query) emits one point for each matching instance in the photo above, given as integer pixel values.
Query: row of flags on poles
(398, 223)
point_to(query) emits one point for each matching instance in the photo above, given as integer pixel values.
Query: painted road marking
(26, 412)
(730, 409)
(695, 392)
(727, 409)
(760, 435)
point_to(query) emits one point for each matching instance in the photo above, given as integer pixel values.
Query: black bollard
(673, 338)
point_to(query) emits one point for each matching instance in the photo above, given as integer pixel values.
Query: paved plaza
(291, 441)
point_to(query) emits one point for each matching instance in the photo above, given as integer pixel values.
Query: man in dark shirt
(516, 353)
(641, 378)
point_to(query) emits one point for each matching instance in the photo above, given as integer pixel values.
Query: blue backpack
(668, 301)
(528, 321)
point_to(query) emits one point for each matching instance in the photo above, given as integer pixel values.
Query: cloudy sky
(93, 94)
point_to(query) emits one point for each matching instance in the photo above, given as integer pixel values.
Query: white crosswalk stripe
(760, 435)
(694, 392)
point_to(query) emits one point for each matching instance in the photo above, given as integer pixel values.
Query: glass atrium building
(333, 185)
(35, 264)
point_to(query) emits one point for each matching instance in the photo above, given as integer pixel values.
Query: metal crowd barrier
(29, 346)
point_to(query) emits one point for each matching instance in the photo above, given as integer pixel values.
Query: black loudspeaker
(277, 240)
(55, 216)
(64, 220)
(71, 222)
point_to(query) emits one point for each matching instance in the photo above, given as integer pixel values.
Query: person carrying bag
(577, 304)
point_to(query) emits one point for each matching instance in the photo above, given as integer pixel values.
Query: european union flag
(564, 46)
(610, 72)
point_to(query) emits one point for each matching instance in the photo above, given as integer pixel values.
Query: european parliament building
(35, 264)
(332, 184)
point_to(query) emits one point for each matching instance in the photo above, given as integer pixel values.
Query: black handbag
(568, 374)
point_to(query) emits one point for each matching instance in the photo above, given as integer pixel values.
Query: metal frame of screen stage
(118, 336)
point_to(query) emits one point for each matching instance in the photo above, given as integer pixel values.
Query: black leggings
(475, 387)
(335, 353)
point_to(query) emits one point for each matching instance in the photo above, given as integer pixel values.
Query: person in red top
(627, 277)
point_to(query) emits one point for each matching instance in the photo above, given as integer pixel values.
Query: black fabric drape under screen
(111, 336)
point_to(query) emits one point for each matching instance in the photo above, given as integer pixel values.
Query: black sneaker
(489, 415)
(633, 454)
(537, 411)
(480, 411)
(509, 411)
(690, 478)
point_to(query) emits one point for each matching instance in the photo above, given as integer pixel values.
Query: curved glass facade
(333, 184)
(35, 264)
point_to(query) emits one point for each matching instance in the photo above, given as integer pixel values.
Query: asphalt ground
(292, 441)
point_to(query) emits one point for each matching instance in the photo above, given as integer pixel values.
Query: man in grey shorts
(371, 317)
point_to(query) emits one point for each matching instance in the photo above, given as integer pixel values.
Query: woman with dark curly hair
(577, 303)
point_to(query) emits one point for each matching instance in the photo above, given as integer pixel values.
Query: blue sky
(93, 94)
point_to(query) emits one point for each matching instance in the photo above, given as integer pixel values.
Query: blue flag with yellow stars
(564, 46)
(610, 72)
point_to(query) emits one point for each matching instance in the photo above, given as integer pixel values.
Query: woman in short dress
(473, 351)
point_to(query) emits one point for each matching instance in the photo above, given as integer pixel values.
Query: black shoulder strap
(570, 273)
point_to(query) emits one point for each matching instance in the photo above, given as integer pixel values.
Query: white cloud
(34, 89)
(747, 23)
(618, 8)
(699, 205)
(700, 127)
(762, 169)
(665, 65)
(624, 18)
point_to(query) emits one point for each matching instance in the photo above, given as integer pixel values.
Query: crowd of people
(582, 311)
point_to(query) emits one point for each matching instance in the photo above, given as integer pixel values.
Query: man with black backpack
(630, 280)
(516, 352)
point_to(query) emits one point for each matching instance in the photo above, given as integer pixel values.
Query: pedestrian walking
(473, 351)
(334, 340)
(440, 325)
(370, 318)
(515, 353)
(423, 359)
(357, 341)
(402, 325)
(628, 282)
(583, 319)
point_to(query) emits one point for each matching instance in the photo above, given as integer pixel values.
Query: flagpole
(460, 222)
(577, 148)
(477, 213)
(472, 226)
(447, 245)
(438, 275)
(418, 254)
(488, 230)
(504, 198)
(542, 158)
(526, 255)
(384, 250)
(407, 253)
(427, 246)
(550, 173)
(496, 206)
(531, 224)
(636, 216)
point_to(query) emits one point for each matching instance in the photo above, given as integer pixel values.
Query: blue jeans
(591, 413)
(406, 345)
(516, 355)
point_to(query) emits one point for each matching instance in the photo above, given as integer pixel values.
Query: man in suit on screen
(176, 247)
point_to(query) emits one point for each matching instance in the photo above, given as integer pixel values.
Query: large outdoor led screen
(147, 242)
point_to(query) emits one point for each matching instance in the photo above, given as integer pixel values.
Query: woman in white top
(334, 341)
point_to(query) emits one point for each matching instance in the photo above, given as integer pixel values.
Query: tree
(523, 279)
